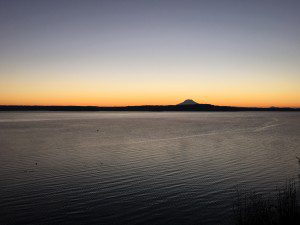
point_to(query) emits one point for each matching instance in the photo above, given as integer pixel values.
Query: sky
(150, 52)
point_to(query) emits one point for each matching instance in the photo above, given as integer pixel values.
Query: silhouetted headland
(187, 105)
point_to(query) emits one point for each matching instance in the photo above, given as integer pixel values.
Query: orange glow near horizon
(228, 92)
(146, 95)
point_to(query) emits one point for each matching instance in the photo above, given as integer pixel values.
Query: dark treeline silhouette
(195, 107)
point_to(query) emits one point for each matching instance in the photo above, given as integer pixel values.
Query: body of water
(140, 167)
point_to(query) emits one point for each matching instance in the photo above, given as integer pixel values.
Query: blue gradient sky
(225, 52)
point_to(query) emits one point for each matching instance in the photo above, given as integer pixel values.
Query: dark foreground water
(140, 168)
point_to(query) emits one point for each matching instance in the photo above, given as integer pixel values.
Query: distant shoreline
(152, 108)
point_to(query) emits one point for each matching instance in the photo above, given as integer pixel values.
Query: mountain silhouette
(188, 102)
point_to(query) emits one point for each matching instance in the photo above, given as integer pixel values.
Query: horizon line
(146, 105)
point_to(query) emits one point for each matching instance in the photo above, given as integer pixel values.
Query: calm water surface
(140, 168)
